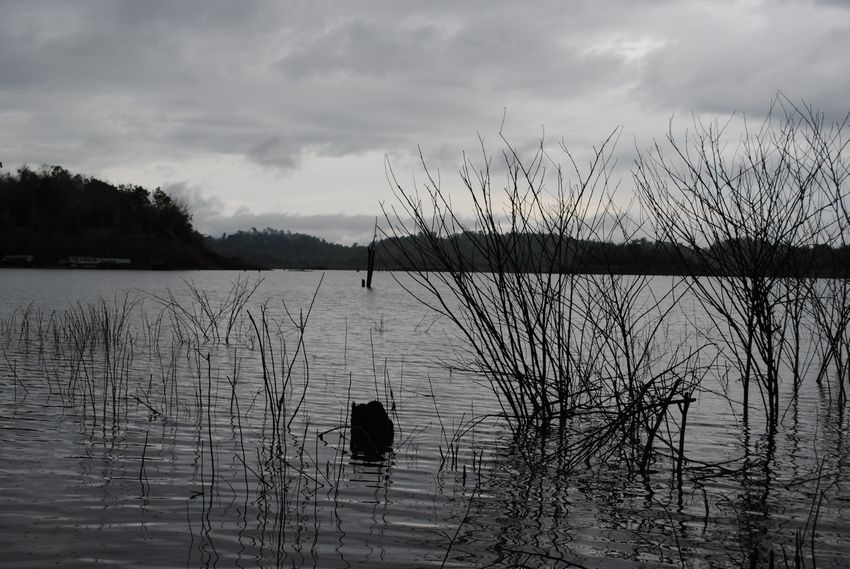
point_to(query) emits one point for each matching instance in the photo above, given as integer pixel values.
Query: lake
(197, 419)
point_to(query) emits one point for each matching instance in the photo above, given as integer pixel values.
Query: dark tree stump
(372, 431)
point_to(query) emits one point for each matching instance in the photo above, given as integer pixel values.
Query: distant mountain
(524, 252)
(285, 250)
(50, 217)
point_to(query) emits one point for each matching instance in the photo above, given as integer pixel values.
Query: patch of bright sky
(630, 49)
(319, 185)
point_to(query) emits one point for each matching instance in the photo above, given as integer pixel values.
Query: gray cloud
(276, 95)
(719, 65)
(275, 151)
(202, 207)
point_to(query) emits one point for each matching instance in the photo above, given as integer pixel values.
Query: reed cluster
(145, 361)
(586, 360)
(752, 218)
(604, 361)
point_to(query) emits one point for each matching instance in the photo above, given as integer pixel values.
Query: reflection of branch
(545, 556)
(463, 521)
(14, 371)
(152, 410)
(143, 474)
(814, 511)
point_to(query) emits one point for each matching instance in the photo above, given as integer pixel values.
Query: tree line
(51, 208)
(52, 200)
(49, 214)
(279, 249)
(275, 248)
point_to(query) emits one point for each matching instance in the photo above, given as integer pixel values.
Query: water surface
(153, 445)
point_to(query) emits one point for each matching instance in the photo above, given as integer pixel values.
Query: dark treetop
(50, 217)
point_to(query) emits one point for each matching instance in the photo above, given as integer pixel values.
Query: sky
(286, 114)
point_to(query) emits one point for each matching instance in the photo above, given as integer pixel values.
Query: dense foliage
(52, 200)
(50, 215)
(53, 213)
(547, 253)
(285, 250)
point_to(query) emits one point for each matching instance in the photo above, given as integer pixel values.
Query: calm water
(156, 448)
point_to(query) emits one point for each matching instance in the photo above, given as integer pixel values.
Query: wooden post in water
(370, 253)
(370, 266)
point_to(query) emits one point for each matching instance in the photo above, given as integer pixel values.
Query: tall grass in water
(205, 318)
(264, 478)
(85, 353)
(282, 473)
(576, 358)
(595, 369)
(134, 363)
(752, 216)
(279, 389)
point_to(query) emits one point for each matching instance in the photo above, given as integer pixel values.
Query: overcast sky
(281, 114)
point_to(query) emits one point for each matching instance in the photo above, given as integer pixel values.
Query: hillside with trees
(285, 250)
(549, 253)
(50, 217)
(474, 251)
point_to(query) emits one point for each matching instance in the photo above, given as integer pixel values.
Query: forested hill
(285, 250)
(50, 217)
(525, 253)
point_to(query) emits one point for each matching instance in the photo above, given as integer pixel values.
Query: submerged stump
(372, 431)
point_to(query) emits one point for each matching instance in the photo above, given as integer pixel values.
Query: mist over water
(160, 451)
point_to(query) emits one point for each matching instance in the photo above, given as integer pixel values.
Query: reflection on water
(151, 443)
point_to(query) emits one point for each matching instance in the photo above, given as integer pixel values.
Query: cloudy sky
(282, 114)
